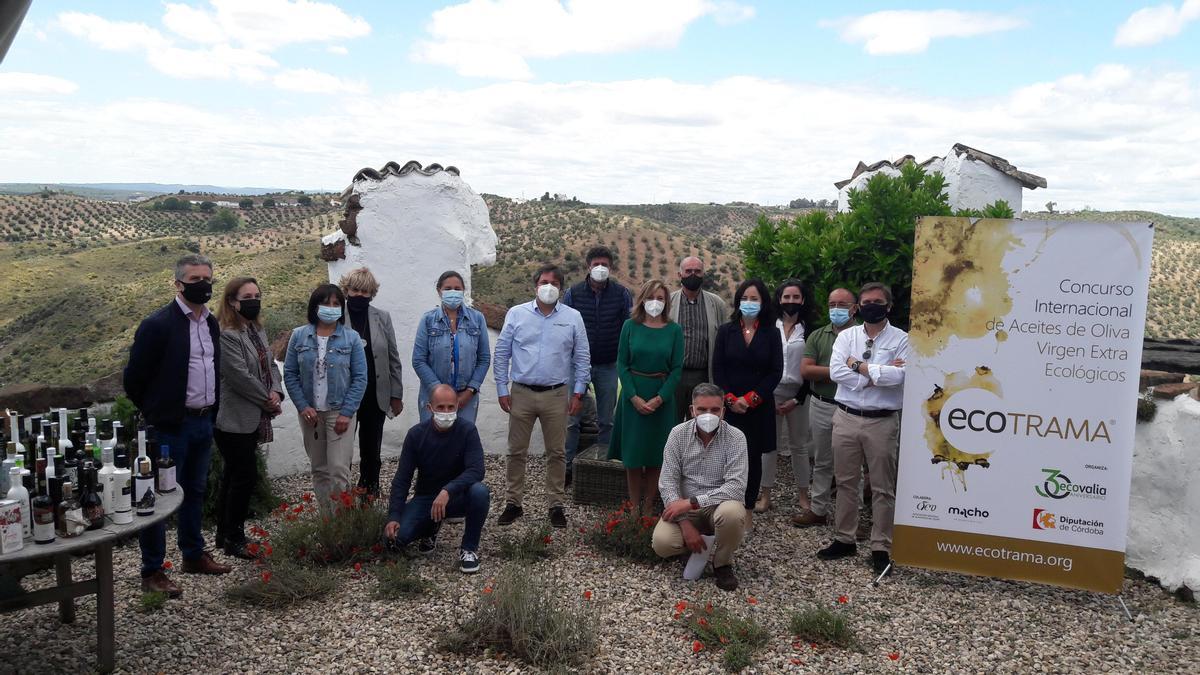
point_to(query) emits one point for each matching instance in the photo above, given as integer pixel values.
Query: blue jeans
(467, 412)
(191, 448)
(416, 522)
(604, 382)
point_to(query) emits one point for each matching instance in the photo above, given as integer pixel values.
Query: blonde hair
(646, 292)
(360, 280)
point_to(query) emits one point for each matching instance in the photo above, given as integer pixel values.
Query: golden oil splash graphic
(961, 283)
(956, 461)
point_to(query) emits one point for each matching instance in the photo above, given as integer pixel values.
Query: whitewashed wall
(970, 184)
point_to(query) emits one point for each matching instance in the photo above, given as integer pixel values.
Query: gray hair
(707, 389)
(876, 286)
(190, 260)
(687, 258)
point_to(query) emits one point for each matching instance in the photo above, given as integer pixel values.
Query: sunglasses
(870, 345)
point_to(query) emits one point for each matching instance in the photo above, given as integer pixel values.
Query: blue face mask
(452, 299)
(749, 308)
(329, 314)
(839, 316)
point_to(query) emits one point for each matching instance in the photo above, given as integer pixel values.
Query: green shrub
(625, 534)
(282, 584)
(521, 616)
(1147, 408)
(715, 627)
(818, 624)
(530, 546)
(396, 579)
(152, 601)
(353, 533)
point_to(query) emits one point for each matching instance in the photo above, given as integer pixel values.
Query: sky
(613, 101)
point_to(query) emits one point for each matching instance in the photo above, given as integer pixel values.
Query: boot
(764, 501)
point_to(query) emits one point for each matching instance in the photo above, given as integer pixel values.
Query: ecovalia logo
(1057, 485)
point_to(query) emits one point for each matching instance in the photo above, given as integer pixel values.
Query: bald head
(689, 264)
(443, 398)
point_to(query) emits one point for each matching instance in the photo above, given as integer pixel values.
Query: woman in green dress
(649, 363)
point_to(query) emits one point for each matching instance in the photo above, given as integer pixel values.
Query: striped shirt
(713, 474)
(694, 321)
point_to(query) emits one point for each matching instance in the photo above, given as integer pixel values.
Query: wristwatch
(695, 502)
(854, 366)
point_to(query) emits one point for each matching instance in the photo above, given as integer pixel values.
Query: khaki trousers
(550, 408)
(820, 425)
(330, 456)
(791, 433)
(874, 439)
(726, 520)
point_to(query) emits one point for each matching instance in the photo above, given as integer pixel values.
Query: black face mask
(358, 303)
(692, 283)
(197, 292)
(791, 308)
(250, 308)
(872, 313)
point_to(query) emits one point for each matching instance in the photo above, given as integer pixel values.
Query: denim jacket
(433, 351)
(346, 361)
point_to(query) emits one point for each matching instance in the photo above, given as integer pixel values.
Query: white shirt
(793, 354)
(321, 378)
(883, 387)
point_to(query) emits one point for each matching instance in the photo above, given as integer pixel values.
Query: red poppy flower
(252, 548)
(587, 595)
(678, 614)
(487, 589)
(895, 656)
(842, 599)
(813, 645)
(167, 565)
(547, 539)
(724, 640)
(703, 621)
(299, 509)
(697, 646)
(752, 600)
(708, 608)
(357, 567)
(681, 605)
(307, 496)
(266, 576)
(267, 550)
(292, 517)
(583, 530)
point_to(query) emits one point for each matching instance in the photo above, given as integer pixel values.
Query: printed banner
(1020, 398)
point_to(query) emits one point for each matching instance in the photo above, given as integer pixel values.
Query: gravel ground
(932, 622)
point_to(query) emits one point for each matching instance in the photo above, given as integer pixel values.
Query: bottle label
(43, 525)
(144, 495)
(166, 479)
(73, 522)
(94, 515)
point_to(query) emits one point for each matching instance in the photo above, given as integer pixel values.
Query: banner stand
(1121, 599)
(884, 573)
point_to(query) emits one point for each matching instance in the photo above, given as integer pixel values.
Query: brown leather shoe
(160, 583)
(726, 579)
(205, 565)
(807, 518)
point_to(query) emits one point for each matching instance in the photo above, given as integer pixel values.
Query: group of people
(693, 398)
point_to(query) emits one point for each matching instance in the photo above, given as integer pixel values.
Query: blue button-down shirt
(542, 350)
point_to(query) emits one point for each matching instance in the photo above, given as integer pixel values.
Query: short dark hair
(707, 389)
(551, 269)
(766, 315)
(450, 274)
(876, 286)
(321, 295)
(599, 252)
(806, 312)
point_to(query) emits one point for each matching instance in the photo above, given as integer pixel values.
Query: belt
(198, 412)
(542, 387)
(825, 399)
(702, 369)
(656, 376)
(866, 413)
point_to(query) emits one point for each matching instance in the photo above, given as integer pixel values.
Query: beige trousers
(726, 520)
(330, 456)
(550, 408)
(874, 439)
(791, 433)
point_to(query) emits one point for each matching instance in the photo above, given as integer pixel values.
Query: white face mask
(444, 420)
(708, 422)
(548, 293)
(653, 307)
(599, 274)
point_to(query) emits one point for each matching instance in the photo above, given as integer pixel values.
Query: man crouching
(703, 485)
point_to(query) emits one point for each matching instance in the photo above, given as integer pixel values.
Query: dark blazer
(739, 368)
(155, 378)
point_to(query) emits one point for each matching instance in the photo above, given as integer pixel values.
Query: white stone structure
(974, 179)
(415, 223)
(1164, 503)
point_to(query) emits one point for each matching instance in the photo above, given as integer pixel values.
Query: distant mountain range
(134, 190)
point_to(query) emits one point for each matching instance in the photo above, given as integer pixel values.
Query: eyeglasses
(867, 352)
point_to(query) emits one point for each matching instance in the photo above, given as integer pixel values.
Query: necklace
(751, 328)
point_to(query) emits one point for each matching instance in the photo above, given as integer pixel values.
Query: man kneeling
(447, 456)
(703, 484)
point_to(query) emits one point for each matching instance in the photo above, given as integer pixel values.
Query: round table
(33, 557)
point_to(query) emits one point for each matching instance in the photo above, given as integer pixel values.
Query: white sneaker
(457, 519)
(468, 561)
(695, 564)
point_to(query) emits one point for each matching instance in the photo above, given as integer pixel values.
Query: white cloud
(234, 39)
(337, 49)
(315, 82)
(1113, 138)
(1151, 25)
(911, 31)
(31, 83)
(496, 38)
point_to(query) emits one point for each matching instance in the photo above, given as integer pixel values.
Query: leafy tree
(208, 207)
(223, 221)
(269, 202)
(304, 200)
(246, 203)
(871, 242)
(173, 204)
